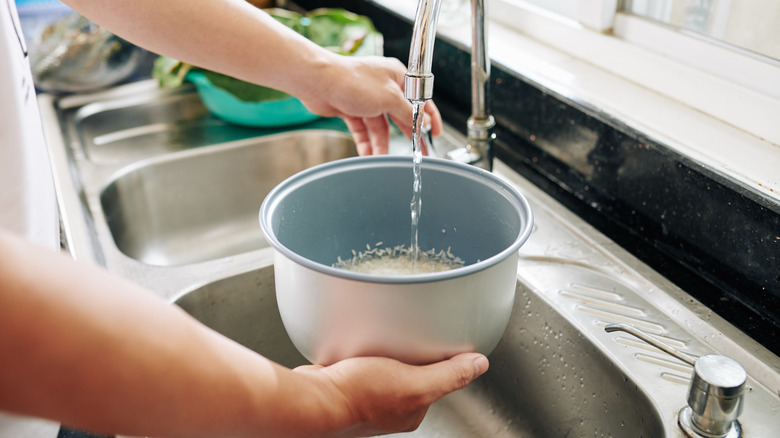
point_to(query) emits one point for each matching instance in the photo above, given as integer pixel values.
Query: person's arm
(93, 351)
(235, 38)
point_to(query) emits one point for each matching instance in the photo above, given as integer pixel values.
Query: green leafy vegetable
(170, 72)
(245, 91)
(337, 30)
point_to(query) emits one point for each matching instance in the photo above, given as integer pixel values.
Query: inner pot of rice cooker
(334, 210)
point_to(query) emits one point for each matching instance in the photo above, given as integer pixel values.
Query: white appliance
(27, 200)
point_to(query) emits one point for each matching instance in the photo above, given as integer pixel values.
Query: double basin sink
(155, 189)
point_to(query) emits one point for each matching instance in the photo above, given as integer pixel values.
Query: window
(708, 99)
(738, 41)
(752, 26)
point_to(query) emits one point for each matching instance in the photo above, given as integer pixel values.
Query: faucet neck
(418, 83)
(480, 61)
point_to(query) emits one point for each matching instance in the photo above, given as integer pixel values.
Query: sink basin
(135, 126)
(243, 308)
(545, 378)
(202, 204)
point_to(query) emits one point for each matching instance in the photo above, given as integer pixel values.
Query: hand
(364, 91)
(381, 396)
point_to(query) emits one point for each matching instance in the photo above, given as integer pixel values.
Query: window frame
(725, 102)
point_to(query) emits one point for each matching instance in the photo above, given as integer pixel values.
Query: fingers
(453, 374)
(376, 395)
(434, 117)
(379, 134)
(308, 368)
(360, 134)
(371, 134)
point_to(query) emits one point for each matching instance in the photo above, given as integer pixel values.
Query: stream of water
(399, 260)
(416, 205)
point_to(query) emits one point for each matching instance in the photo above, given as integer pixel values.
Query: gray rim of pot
(316, 172)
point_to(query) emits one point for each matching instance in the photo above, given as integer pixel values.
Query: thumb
(456, 372)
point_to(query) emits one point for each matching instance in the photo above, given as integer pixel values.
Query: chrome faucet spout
(418, 82)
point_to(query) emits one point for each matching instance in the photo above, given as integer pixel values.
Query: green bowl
(265, 114)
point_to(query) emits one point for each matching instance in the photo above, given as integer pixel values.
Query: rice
(398, 261)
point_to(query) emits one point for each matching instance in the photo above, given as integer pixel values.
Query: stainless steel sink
(243, 308)
(133, 125)
(545, 380)
(148, 178)
(203, 205)
(156, 190)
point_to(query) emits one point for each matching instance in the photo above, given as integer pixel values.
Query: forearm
(229, 36)
(237, 39)
(92, 351)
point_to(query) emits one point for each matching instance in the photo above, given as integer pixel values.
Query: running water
(416, 205)
(400, 260)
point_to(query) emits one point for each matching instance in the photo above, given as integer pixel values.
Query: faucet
(418, 82)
